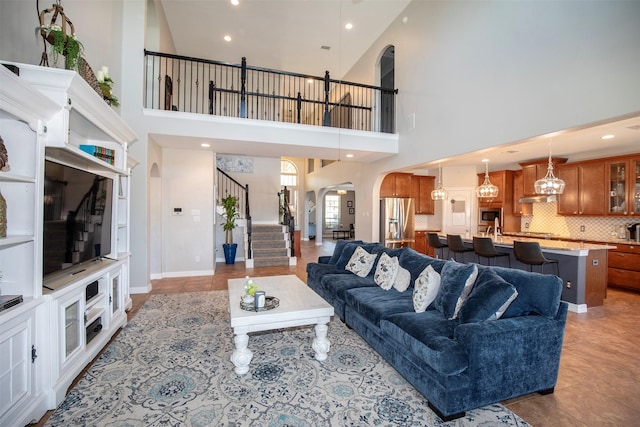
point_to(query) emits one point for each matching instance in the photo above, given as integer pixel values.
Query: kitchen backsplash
(546, 220)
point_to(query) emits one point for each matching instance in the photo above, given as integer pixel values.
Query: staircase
(270, 246)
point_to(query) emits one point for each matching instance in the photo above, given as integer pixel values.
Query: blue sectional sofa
(457, 362)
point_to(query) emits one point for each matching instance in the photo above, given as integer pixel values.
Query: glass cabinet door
(115, 294)
(72, 327)
(617, 188)
(634, 199)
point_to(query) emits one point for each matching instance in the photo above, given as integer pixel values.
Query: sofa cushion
(430, 337)
(413, 261)
(490, 297)
(455, 285)
(337, 251)
(537, 293)
(348, 251)
(332, 285)
(375, 303)
(403, 280)
(361, 262)
(425, 289)
(315, 271)
(386, 271)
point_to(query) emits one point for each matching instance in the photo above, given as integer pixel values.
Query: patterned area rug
(170, 367)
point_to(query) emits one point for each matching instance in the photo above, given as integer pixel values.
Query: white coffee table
(299, 305)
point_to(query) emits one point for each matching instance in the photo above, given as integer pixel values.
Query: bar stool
(531, 254)
(456, 246)
(436, 243)
(483, 247)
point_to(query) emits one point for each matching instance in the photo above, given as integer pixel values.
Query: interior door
(457, 212)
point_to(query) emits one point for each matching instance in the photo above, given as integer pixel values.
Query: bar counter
(582, 266)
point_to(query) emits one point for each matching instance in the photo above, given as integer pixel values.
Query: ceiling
(305, 26)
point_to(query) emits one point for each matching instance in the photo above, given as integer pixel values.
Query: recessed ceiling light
(608, 136)
(227, 38)
(235, 2)
(324, 47)
(348, 25)
(310, 81)
(349, 155)
(205, 145)
(485, 160)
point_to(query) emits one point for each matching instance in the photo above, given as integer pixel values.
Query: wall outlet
(582, 228)
(526, 225)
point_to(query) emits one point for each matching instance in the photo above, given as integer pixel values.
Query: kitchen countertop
(566, 247)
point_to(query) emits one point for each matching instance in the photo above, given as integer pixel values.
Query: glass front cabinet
(623, 186)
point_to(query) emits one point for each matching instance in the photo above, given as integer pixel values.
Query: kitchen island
(582, 266)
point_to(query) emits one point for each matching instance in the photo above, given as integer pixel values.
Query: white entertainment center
(65, 319)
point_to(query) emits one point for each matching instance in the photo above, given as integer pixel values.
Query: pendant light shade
(549, 184)
(439, 193)
(487, 190)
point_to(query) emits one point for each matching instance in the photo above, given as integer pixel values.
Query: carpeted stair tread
(269, 252)
(267, 236)
(269, 244)
(267, 229)
(270, 261)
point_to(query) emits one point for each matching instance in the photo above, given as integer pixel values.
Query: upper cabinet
(520, 209)
(623, 186)
(535, 170)
(504, 181)
(396, 185)
(584, 192)
(421, 188)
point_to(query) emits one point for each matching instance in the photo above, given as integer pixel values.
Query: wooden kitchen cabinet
(624, 266)
(420, 244)
(584, 192)
(421, 188)
(623, 186)
(396, 184)
(520, 209)
(535, 170)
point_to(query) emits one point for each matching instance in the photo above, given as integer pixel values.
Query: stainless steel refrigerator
(396, 221)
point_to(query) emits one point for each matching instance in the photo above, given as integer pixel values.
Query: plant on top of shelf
(62, 44)
(106, 86)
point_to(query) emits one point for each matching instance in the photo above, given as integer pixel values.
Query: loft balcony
(246, 109)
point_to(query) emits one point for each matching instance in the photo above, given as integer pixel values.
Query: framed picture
(350, 204)
(352, 211)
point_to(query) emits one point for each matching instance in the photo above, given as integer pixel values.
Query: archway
(387, 81)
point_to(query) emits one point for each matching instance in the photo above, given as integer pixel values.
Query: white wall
(187, 180)
(484, 73)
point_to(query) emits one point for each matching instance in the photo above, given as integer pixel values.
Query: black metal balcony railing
(180, 83)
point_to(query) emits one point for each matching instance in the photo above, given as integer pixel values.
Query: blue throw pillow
(337, 251)
(489, 299)
(455, 277)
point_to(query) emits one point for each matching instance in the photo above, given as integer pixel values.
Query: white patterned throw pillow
(361, 262)
(386, 271)
(425, 289)
(403, 280)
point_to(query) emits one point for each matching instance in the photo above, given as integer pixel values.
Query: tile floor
(599, 381)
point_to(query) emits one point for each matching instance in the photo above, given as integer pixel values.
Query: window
(289, 179)
(331, 211)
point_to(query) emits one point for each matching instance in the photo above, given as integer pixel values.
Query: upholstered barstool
(436, 243)
(483, 247)
(454, 241)
(530, 253)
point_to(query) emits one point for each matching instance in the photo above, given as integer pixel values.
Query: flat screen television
(77, 217)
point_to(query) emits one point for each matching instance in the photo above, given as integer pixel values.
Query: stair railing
(227, 186)
(286, 217)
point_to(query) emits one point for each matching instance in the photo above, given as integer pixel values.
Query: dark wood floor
(599, 381)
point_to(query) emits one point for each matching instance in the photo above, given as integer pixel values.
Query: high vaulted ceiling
(290, 35)
(284, 35)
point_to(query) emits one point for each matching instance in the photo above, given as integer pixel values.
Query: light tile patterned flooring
(599, 381)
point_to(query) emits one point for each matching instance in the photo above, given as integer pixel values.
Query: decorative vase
(3, 216)
(229, 252)
(4, 157)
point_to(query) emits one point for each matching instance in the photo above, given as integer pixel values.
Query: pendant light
(487, 190)
(549, 184)
(439, 193)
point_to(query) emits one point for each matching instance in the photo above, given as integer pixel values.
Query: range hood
(542, 198)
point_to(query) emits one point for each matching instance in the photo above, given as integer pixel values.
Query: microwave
(487, 216)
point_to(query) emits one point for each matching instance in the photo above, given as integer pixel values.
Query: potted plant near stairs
(230, 213)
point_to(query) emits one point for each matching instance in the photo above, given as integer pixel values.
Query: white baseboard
(187, 273)
(140, 289)
(577, 308)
